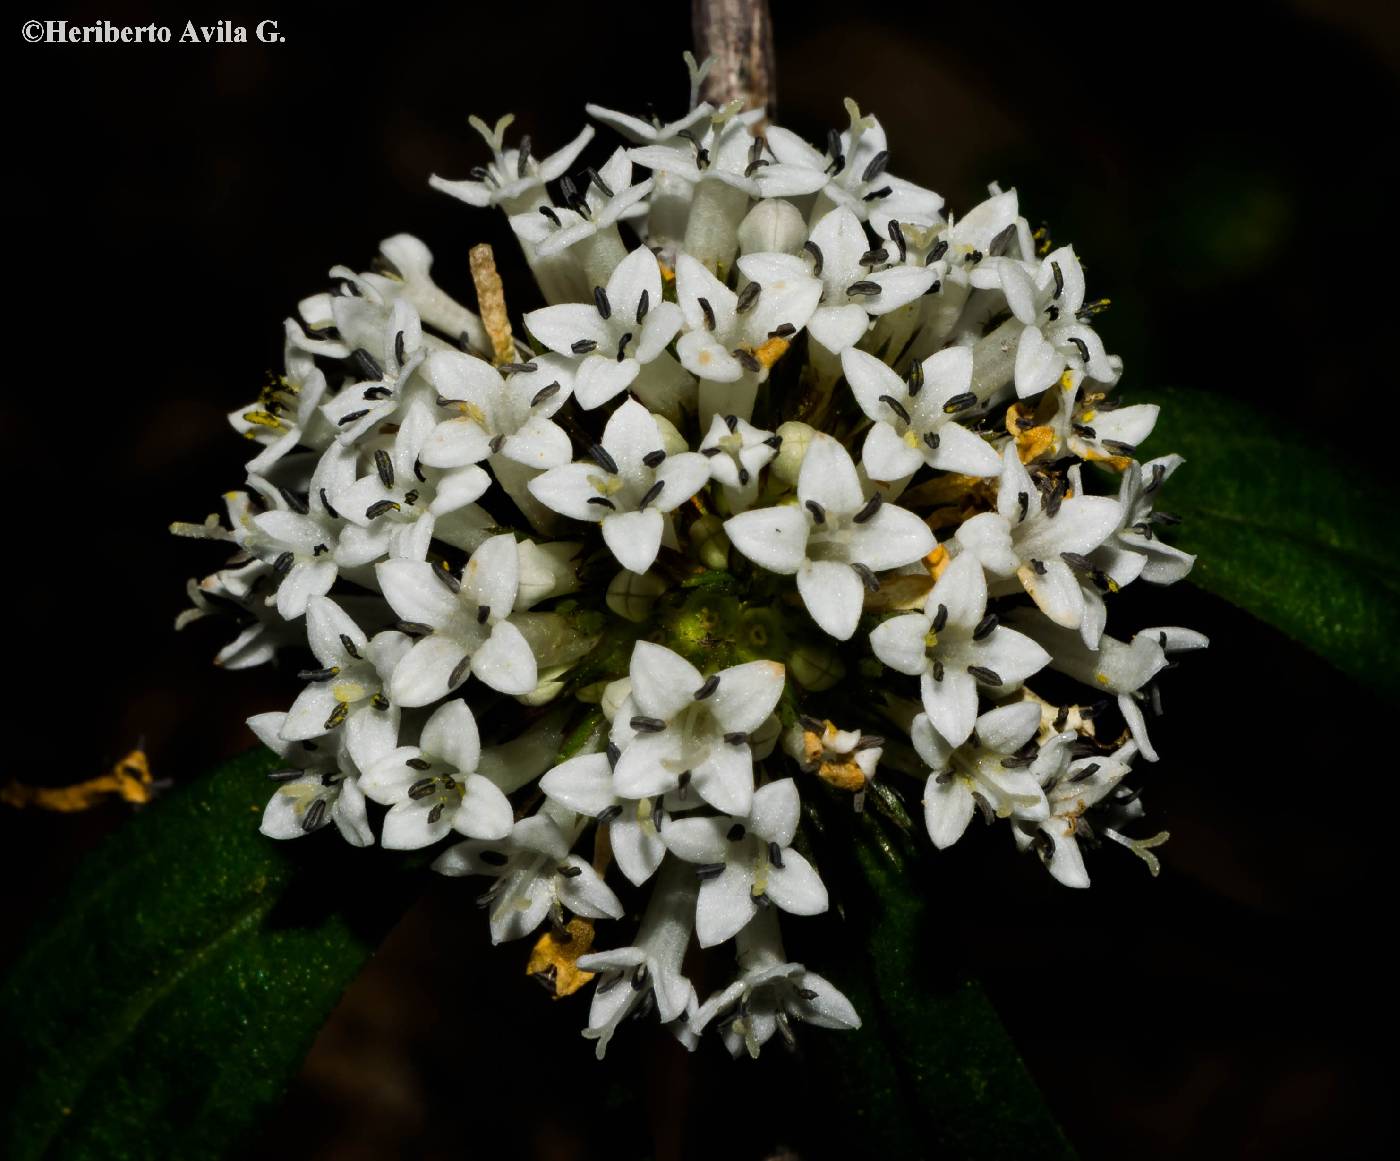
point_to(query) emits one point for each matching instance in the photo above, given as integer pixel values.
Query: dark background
(1225, 173)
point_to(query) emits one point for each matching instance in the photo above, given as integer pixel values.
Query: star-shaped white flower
(319, 788)
(608, 196)
(286, 413)
(509, 416)
(833, 539)
(1134, 550)
(622, 337)
(535, 875)
(470, 625)
(738, 451)
(1120, 668)
(513, 177)
(678, 729)
(349, 689)
(1073, 786)
(627, 486)
(954, 645)
(585, 784)
(994, 771)
(915, 420)
(854, 290)
(742, 860)
(433, 788)
(647, 974)
(386, 349)
(770, 993)
(1047, 299)
(1030, 534)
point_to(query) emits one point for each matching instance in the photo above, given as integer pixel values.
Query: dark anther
(293, 501)
(984, 675)
(612, 753)
(379, 507)
(863, 287)
(448, 579)
(747, 297)
(876, 166)
(653, 459)
(459, 672)
(939, 249)
(1088, 772)
(545, 393)
(816, 252)
(737, 739)
(817, 511)
(422, 788)
(960, 403)
(985, 627)
(875, 195)
(283, 564)
(384, 466)
(315, 815)
(915, 379)
(1038, 567)
(326, 504)
(932, 439)
(350, 417)
(711, 684)
(1118, 447)
(748, 360)
(600, 300)
(706, 871)
(483, 614)
(622, 345)
(896, 406)
(548, 212)
(583, 346)
(366, 364)
(1059, 278)
(348, 644)
(645, 725)
(875, 257)
(736, 832)
(775, 855)
(1081, 346)
(643, 305)
(608, 813)
(601, 502)
(708, 311)
(318, 674)
(896, 233)
(867, 577)
(603, 458)
(337, 716)
(871, 507)
(651, 494)
(940, 618)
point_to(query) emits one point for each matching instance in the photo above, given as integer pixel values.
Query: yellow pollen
(554, 958)
(768, 353)
(129, 780)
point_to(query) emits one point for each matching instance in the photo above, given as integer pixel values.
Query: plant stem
(739, 35)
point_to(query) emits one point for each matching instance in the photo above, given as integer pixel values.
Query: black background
(1224, 171)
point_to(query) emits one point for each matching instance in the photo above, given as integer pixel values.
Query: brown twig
(739, 35)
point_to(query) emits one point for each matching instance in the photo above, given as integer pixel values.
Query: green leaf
(1284, 529)
(177, 988)
(932, 1071)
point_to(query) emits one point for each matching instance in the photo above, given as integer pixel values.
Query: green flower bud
(710, 543)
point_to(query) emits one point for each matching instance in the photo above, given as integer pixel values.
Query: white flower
(747, 862)
(1029, 534)
(299, 536)
(386, 349)
(725, 329)
(953, 645)
(510, 417)
(1120, 668)
(512, 176)
(608, 196)
(738, 451)
(626, 487)
(535, 875)
(726, 151)
(622, 338)
(349, 689)
(647, 974)
(995, 771)
(834, 540)
(469, 625)
(649, 132)
(585, 784)
(915, 421)
(770, 993)
(854, 290)
(679, 730)
(1133, 551)
(1073, 786)
(287, 411)
(853, 173)
(321, 787)
(1046, 300)
(433, 787)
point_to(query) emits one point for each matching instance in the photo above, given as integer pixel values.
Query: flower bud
(815, 667)
(710, 543)
(631, 595)
(796, 436)
(672, 441)
(772, 227)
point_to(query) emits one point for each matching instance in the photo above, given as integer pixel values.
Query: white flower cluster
(833, 445)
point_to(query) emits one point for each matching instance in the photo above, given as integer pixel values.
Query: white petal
(829, 478)
(833, 595)
(838, 327)
(775, 812)
(559, 327)
(406, 827)
(948, 809)
(635, 275)
(1006, 729)
(634, 537)
(746, 695)
(663, 682)
(586, 894)
(630, 436)
(724, 778)
(1038, 364)
(892, 538)
(326, 626)
(451, 735)
(415, 594)
(567, 490)
(795, 886)
(505, 661)
(773, 538)
(491, 577)
(485, 812)
(539, 444)
(887, 457)
(725, 906)
(899, 642)
(1056, 591)
(683, 475)
(648, 766)
(637, 848)
(987, 536)
(951, 705)
(698, 840)
(959, 450)
(899, 286)
(600, 379)
(421, 677)
(455, 443)
(584, 784)
(869, 379)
